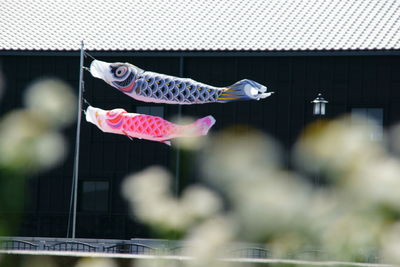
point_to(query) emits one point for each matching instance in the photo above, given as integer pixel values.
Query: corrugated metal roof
(200, 25)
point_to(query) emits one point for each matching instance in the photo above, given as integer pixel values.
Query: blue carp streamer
(154, 87)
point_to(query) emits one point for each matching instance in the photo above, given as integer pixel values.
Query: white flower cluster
(352, 214)
(151, 198)
(30, 138)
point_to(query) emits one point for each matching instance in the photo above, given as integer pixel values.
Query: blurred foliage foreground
(246, 193)
(351, 215)
(31, 141)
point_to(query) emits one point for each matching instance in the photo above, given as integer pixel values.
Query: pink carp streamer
(147, 127)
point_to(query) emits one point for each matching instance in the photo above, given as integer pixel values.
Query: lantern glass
(322, 108)
(319, 108)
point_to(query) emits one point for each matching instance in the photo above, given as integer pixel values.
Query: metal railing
(250, 252)
(17, 245)
(131, 249)
(71, 246)
(158, 247)
(134, 246)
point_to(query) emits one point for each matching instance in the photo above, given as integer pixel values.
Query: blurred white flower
(200, 202)
(157, 262)
(152, 201)
(377, 183)
(96, 262)
(352, 236)
(267, 207)
(232, 156)
(325, 206)
(50, 149)
(341, 145)
(209, 241)
(149, 194)
(26, 143)
(53, 99)
(153, 181)
(38, 261)
(352, 217)
(390, 244)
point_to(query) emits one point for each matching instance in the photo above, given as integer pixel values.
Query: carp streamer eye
(121, 71)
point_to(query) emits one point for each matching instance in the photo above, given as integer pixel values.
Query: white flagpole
(78, 130)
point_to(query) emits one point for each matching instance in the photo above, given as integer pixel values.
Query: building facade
(365, 83)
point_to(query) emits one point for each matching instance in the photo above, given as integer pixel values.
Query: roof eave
(200, 53)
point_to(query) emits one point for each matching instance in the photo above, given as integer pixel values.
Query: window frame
(82, 198)
(381, 123)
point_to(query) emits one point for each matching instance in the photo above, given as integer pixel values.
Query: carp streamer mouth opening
(125, 83)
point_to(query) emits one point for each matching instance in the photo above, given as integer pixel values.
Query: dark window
(151, 110)
(94, 196)
(372, 117)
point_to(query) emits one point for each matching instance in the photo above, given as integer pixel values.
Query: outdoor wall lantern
(319, 103)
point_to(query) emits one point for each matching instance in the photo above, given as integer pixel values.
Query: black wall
(346, 81)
